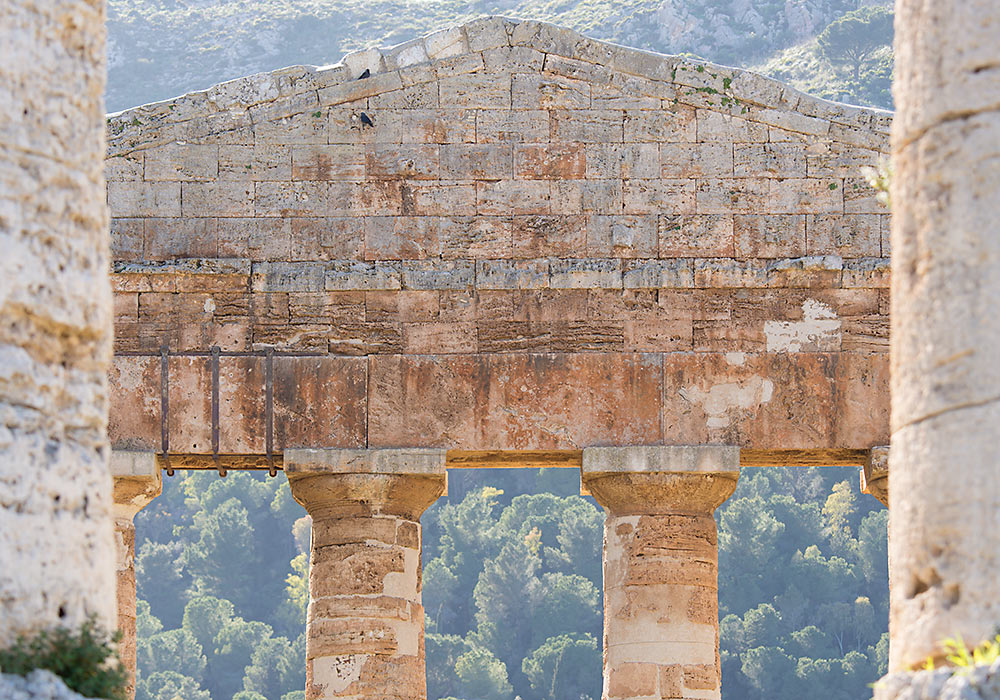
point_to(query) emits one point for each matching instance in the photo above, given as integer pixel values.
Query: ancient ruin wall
(540, 241)
(56, 551)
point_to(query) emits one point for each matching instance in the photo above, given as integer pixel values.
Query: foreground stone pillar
(945, 518)
(365, 627)
(56, 547)
(875, 475)
(661, 606)
(137, 481)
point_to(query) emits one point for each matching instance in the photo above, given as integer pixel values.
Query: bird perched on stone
(366, 74)
(366, 120)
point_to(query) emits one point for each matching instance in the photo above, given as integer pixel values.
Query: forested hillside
(158, 49)
(512, 588)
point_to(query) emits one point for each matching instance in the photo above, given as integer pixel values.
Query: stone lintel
(412, 460)
(137, 481)
(875, 475)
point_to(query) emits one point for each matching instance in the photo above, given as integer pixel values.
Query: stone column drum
(365, 626)
(944, 522)
(661, 619)
(56, 544)
(137, 481)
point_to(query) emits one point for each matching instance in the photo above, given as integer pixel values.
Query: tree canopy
(512, 588)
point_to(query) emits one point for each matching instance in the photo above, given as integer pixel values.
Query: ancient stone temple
(508, 244)
(503, 244)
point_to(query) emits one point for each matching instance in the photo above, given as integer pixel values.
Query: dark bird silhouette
(366, 120)
(366, 74)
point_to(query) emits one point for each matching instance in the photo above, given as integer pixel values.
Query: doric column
(661, 607)
(875, 475)
(56, 542)
(945, 332)
(365, 626)
(137, 481)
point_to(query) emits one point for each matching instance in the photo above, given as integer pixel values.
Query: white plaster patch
(818, 331)
(404, 585)
(737, 359)
(336, 673)
(722, 399)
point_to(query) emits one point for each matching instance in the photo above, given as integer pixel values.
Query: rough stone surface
(365, 623)
(137, 481)
(37, 685)
(661, 622)
(980, 683)
(56, 544)
(529, 206)
(945, 329)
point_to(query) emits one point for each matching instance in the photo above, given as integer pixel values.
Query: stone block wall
(539, 240)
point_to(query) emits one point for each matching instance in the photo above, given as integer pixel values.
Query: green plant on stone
(880, 178)
(86, 660)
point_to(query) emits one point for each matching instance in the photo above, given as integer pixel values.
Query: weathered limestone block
(945, 329)
(137, 481)
(56, 547)
(875, 475)
(365, 626)
(661, 621)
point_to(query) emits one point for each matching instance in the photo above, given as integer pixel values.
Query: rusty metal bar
(215, 409)
(269, 412)
(165, 409)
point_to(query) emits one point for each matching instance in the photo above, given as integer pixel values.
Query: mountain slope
(161, 48)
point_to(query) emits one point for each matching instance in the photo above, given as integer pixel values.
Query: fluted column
(945, 332)
(875, 475)
(661, 608)
(137, 481)
(56, 543)
(365, 626)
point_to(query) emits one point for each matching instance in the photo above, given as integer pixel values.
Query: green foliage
(880, 179)
(851, 40)
(482, 676)
(85, 659)
(567, 666)
(963, 659)
(513, 589)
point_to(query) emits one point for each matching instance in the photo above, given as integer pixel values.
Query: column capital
(875, 475)
(660, 479)
(137, 481)
(402, 482)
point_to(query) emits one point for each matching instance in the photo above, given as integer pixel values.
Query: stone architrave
(875, 475)
(137, 481)
(365, 626)
(944, 522)
(56, 546)
(661, 621)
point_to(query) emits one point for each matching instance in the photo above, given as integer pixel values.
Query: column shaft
(137, 481)
(661, 621)
(945, 330)
(365, 625)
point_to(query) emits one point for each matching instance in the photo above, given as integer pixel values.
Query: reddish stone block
(522, 401)
(549, 236)
(438, 338)
(319, 402)
(776, 401)
(134, 405)
(190, 417)
(550, 162)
